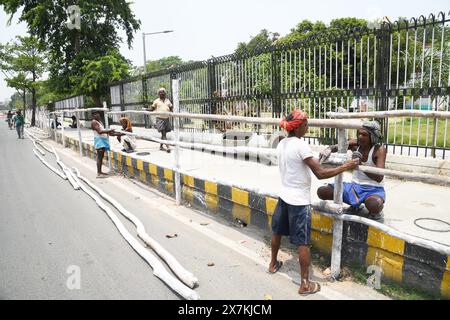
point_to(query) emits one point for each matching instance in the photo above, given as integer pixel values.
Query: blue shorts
(293, 221)
(355, 194)
(101, 143)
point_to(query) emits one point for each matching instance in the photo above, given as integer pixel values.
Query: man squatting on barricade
(292, 215)
(365, 188)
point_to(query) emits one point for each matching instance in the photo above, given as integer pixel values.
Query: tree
(23, 62)
(71, 49)
(96, 74)
(262, 40)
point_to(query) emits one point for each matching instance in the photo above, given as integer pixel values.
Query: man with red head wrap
(292, 215)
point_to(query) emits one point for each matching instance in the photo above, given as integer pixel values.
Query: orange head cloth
(127, 122)
(294, 120)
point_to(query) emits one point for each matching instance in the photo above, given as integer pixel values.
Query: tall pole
(145, 54)
(176, 121)
(338, 224)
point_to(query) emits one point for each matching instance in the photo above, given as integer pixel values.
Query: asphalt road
(46, 228)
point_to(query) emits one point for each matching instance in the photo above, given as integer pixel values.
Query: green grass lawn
(410, 128)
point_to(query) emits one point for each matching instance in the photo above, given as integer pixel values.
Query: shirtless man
(101, 143)
(365, 188)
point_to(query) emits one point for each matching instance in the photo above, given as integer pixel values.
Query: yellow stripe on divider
(239, 196)
(153, 170)
(321, 223)
(386, 252)
(378, 239)
(189, 181)
(211, 188)
(188, 194)
(155, 180)
(445, 285)
(212, 201)
(143, 176)
(242, 212)
(391, 264)
(168, 174)
(271, 204)
(322, 241)
(129, 161)
(130, 171)
(140, 165)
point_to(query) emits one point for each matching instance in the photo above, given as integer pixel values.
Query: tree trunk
(97, 101)
(33, 102)
(24, 103)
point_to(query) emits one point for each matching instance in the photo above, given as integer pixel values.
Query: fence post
(338, 224)
(381, 89)
(176, 125)
(276, 83)
(145, 99)
(213, 94)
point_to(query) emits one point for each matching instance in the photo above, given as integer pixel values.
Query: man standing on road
(9, 119)
(20, 122)
(163, 125)
(292, 215)
(101, 143)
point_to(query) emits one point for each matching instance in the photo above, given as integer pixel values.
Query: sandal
(277, 267)
(313, 288)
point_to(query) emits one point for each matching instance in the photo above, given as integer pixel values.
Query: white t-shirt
(295, 174)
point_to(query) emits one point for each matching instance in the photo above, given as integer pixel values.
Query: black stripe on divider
(423, 268)
(225, 200)
(260, 220)
(224, 191)
(160, 172)
(257, 202)
(199, 184)
(354, 243)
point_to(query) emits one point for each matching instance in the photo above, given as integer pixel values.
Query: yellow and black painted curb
(400, 261)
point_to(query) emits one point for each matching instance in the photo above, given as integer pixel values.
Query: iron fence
(398, 66)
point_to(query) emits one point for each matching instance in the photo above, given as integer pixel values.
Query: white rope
(158, 268)
(188, 278)
(59, 173)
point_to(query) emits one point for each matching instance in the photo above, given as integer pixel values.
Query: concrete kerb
(400, 261)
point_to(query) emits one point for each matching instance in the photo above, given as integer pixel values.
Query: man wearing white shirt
(292, 215)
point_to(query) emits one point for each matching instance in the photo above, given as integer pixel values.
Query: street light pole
(143, 41)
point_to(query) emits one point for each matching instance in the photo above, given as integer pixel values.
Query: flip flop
(278, 266)
(316, 288)
(102, 177)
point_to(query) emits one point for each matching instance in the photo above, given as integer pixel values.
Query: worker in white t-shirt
(292, 215)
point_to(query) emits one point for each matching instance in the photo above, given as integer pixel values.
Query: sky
(206, 28)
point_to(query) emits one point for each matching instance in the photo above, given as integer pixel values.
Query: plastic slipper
(278, 266)
(313, 288)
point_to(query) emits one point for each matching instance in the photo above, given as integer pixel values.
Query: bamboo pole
(176, 106)
(391, 114)
(338, 225)
(318, 123)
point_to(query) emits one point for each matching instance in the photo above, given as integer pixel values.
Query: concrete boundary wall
(400, 261)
